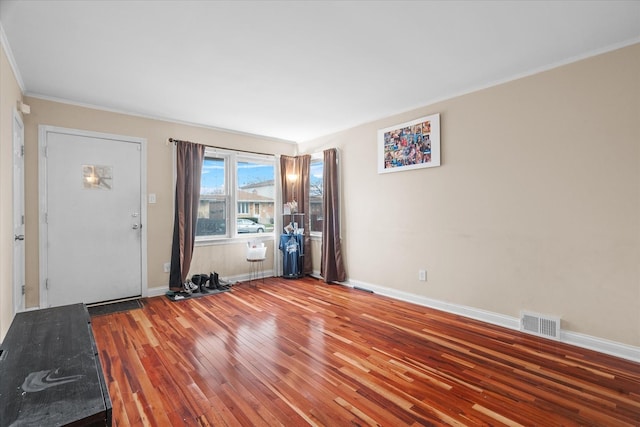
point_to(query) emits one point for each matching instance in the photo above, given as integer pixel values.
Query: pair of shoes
(214, 279)
(200, 280)
(212, 282)
(187, 287)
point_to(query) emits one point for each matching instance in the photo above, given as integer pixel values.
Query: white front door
(18, 214)
(94, 218)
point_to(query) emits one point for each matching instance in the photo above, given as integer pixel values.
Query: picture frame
(410, 145)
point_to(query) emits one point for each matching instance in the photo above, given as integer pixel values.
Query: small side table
(257, 268)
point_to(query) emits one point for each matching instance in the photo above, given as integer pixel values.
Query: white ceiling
(295, 70)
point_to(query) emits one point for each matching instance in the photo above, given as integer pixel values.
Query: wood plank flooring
(300, 352)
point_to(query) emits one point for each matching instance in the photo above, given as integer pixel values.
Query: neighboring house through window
(235, 179)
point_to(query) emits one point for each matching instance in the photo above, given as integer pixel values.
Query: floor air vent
(540, 324)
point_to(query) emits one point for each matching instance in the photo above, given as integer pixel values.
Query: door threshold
(113, 301)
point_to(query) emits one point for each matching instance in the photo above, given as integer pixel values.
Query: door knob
(135, 226)
(18, 237)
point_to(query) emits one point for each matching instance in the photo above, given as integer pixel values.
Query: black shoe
(196, 279)
(216, 279)
(213, 278)
(202, 282)
(203, 288)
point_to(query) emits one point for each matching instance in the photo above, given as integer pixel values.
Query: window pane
(243, 207)
(213, 177)
(256, 195)
(212, 212)
(315, 194)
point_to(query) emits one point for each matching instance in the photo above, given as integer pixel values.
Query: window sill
(220, 241)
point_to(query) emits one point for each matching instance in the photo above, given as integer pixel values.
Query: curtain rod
(173, 140)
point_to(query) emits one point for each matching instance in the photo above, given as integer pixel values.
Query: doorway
(93, 217)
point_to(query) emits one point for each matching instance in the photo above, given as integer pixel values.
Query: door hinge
(22, 150)
(23, 289)
(46, 283)
(22, 220)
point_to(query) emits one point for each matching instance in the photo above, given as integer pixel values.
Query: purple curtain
(298, 191)
(331, 263)
(189, 170)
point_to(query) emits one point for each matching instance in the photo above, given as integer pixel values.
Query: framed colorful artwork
(410, 145)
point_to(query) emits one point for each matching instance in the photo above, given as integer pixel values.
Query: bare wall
(159, 181)
(536, 205)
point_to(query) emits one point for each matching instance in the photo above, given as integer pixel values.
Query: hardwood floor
(300, 352)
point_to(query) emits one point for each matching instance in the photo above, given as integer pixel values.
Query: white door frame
(19, 270)
(43, 131)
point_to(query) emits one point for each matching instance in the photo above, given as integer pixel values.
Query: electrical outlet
(422, 275)
(167, 267)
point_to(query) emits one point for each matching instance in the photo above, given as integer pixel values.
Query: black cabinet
(50, 372)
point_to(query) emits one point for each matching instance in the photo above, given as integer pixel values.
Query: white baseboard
(157, 291)
(316, 275)
(573, 338)
(601, 345)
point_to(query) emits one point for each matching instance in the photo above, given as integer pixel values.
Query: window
(235, 179)
(243, 207)
(316, 207)
(255, 187)
(214, 196)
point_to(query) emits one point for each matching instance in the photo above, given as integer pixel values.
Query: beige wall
(10, 94)
(159, 181)
(536, 205)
